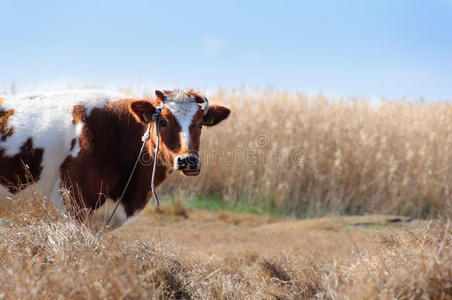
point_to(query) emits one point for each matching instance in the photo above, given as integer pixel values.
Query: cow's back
(38, 131)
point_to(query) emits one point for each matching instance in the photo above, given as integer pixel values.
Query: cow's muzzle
(188, 164)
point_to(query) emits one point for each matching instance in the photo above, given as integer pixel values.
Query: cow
(81, 145)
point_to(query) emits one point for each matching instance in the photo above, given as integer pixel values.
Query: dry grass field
(351, 200)
(175, 252)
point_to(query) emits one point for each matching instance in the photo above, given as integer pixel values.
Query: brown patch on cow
(195, 131)
(5, 131)
(78, 114)
(73, 143)
(22, 169)
(1, 101)
(109, 145)
(170, 135)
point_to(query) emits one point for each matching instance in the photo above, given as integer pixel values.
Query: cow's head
(183, 116)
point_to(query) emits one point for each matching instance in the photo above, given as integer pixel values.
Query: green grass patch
(215, 203)
(367, 227)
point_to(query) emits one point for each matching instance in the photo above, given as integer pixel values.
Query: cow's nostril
(193, 162)
(181, 163)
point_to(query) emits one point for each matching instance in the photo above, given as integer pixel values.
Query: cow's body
(85, 143)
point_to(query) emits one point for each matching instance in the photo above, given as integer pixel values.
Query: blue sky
(373, 48)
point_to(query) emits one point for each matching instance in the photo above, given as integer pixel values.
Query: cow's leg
(56, 195)
(89, 186)
(100, 215)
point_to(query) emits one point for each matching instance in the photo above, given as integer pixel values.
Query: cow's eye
(200, 126)
(163, 123)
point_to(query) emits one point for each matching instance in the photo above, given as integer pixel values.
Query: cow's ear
(160, 95)
(215, 115)
(142, 110)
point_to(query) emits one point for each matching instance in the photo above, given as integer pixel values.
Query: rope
(156, 115)
(146, 136)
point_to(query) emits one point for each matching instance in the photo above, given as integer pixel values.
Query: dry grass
(54, 257)
(311, 156)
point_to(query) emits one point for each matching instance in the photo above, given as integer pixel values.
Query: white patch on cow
(46, 117)
(78, 132)
(184, 109)
(101, 215)
(134, 217)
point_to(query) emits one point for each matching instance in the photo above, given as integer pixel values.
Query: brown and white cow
(86, 141)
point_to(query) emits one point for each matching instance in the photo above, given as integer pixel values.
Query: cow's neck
(123, 139)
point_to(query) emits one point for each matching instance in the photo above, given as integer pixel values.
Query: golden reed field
(377, 179)
(312, 156)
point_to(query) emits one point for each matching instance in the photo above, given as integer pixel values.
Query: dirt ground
(226, 234)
